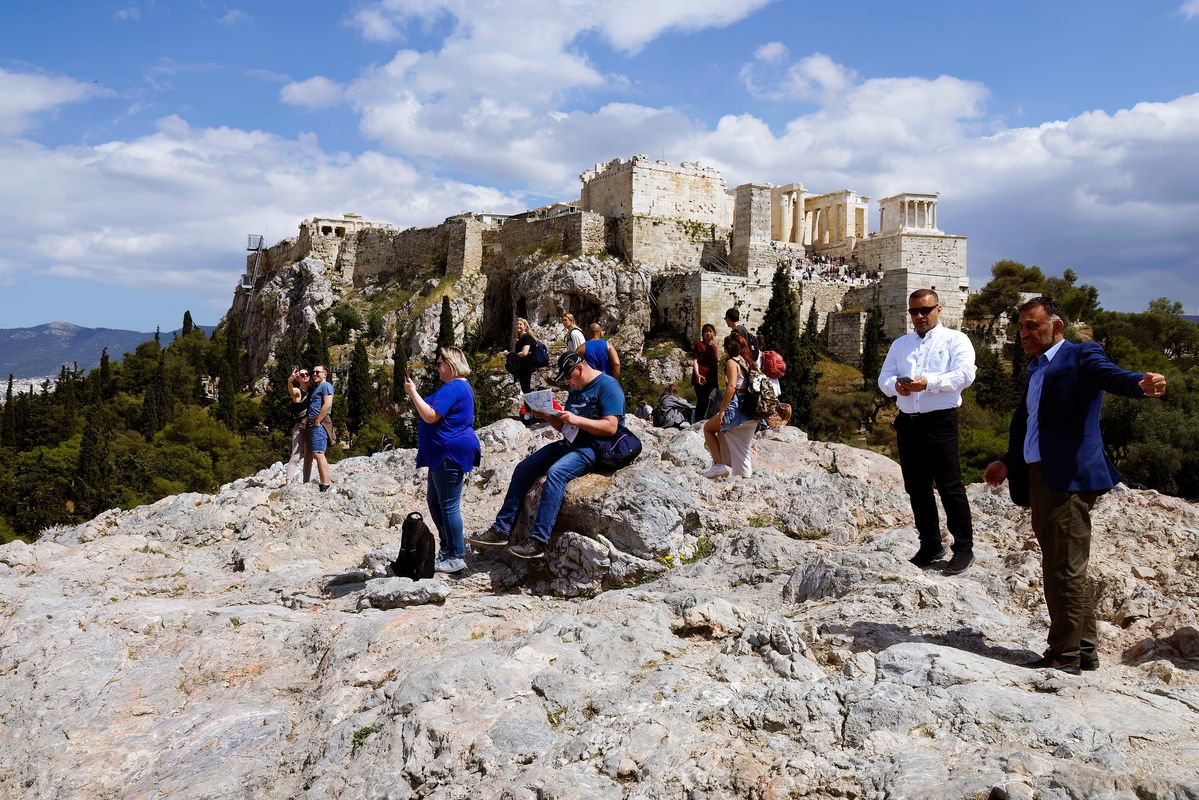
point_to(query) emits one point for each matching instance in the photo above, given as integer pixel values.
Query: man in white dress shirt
(926, 371)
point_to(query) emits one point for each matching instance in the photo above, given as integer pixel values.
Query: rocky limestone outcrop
(761, 637)
(594, 288)
(286, 304)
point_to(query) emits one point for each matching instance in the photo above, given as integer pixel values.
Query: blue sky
(140, 140)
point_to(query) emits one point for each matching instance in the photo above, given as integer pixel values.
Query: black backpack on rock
(417, 548)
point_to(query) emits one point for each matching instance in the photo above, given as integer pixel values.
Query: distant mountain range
(42, 350)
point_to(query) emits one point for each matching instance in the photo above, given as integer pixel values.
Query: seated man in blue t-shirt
(594, 410)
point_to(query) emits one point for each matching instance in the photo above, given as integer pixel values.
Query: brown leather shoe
(1050, 661)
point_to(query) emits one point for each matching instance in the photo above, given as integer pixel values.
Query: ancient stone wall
(582, 232)
(846, 333)
(671, 244)
(642, 187)
(751, 254)
(828, 298)
(464, 246)
(913, 261)
(385, 254)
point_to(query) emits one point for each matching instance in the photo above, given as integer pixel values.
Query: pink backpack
(773, 365)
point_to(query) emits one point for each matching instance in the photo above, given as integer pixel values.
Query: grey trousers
(1062, 523)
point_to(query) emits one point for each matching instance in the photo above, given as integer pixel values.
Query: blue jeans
(444, 491)
(560, 464)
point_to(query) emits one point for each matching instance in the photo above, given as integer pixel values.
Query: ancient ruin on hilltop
(705, 247)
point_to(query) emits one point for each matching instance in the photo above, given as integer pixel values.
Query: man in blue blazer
(1056, 465)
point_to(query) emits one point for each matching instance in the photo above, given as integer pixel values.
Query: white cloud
(170, 210)
(234, 16)
(316, 92)
(127, 13)
(24, 95)
(267, 75)
(771, 51)
(494, 95)
(1190, 9)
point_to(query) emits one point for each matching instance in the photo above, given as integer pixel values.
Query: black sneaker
(492, 537)
(1088, 663)
(926, 558)
(529, 548)
(960, 562)
(324, 486)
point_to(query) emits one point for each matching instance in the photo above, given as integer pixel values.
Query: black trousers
(928, 456)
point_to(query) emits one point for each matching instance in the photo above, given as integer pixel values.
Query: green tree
(316, 349)
(374, 325)
(811, 330)
(781, 330)
(399, 360)
(445, 336)
(95, 477)
(8, 426)
(226, 406)
(361, 394)
(278, 402)
(873, 340)
(347, 319)
(188, 325)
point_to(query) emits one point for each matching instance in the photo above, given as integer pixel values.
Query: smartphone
(903, 380)
(295, 368)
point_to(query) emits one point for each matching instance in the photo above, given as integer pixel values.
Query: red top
(705, 356)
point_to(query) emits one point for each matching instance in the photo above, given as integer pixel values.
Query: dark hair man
(1055, 463)
(600, 353)
(732, 318)
(594, 410)
(926, 371)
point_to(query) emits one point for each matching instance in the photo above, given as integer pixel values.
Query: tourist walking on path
(599, 352)
(522, 348)
(728, 434)
(926, 371)
(301, 453)
(594, 410)
(447, 445)
(574, 336)
(704, 370)
(320, 426)
(1055, 463)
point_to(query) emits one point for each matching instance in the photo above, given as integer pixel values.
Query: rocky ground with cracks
(761, 638)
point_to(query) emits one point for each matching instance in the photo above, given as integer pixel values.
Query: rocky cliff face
(762, 637)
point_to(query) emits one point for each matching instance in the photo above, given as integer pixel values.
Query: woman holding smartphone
(447, 445)
(297, 387)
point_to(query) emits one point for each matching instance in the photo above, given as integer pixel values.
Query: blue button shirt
(1036, 377)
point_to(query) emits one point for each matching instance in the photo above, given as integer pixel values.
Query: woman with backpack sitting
(729, 432)
(447, 445)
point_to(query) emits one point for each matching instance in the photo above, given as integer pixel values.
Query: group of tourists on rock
(1055, 462)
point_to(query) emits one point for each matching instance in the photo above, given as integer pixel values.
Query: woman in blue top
(447, 445)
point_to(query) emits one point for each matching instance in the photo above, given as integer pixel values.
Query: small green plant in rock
(360, 737)
(703, 549)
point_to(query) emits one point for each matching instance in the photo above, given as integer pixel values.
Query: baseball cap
(567, 362)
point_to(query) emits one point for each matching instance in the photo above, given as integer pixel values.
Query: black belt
(941, 411)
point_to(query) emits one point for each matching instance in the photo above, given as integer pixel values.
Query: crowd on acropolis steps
(823, 268)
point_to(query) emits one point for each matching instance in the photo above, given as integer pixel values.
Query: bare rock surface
(684, 638)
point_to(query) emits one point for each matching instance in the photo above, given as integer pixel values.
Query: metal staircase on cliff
(253, 245)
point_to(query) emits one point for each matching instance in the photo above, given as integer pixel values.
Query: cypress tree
(154, 401)
(811, 329)
(103, 378)
(399, 360)
(316, 349)
(780, 329)
(361, 392)
(872, 349)
(232, 353)
(95, 474)
(8, 426)
(226, 405)
(445, 336)
(188, 325)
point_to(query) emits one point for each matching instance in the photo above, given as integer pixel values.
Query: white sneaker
(717, 471)
(450, 565)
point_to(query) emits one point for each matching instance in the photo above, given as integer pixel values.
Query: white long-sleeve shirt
(943, 356)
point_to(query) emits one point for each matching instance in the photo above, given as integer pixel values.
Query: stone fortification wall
(827, 297)
(846, 333)
(383, 254)
(752, 254)
(687, 301)
(464, 246)
(582, 232)
(642, 187)
(670, 244)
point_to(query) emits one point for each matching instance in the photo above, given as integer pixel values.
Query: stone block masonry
(670, 244)
(846, 334)
(643, 187)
